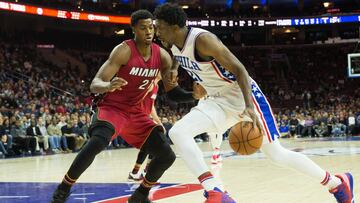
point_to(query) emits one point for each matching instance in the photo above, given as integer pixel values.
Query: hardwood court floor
(251, 179)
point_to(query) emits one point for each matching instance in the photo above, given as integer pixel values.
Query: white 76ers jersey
(217, 81)
(225, 100)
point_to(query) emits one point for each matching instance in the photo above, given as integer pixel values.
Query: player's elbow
(240, 71)
(92, 88)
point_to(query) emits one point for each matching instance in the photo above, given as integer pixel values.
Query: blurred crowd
(45, 109)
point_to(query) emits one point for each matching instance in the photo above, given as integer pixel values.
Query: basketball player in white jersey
(231, 92)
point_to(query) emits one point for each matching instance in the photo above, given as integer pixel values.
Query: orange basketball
(245, 139)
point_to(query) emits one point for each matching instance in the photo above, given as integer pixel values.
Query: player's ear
(133, 29)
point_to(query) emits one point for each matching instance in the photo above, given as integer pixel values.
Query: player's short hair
(171, 13)
(140, 15)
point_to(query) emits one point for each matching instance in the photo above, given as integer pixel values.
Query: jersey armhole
(196, 55)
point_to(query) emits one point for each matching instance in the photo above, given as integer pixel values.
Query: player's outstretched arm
(104, 80)
(208, 45)
(169, 74)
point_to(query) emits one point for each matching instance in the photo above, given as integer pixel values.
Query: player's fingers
(123, 81)
(173, 77)
(260, 127)
(117, 84)
(175, 65)
(254, 120)
(118, 80)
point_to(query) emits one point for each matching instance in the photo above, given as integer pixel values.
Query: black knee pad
(102, 130)
(155, 140)
(167, 157)
(157, 146)
(164, 161)
(170, 157)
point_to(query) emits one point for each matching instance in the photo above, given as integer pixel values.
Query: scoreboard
(206, 22)
(354, 65)
(325, 20)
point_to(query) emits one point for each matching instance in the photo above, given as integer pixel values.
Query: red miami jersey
(139, 74)
(150, 99)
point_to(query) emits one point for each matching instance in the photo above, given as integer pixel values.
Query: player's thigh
(202, 118)
(105, 124)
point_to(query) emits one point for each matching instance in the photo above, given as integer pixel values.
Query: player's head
(142, 26)
(170, 18)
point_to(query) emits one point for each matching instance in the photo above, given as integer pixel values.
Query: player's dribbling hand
(116, 83)
(249, 112)
(198, 91)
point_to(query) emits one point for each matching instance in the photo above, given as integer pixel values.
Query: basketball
(244, 139)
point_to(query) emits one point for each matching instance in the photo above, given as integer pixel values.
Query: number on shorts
(143, 85)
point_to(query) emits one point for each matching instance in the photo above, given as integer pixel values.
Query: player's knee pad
(102, 131)
(166, 160)
(100, 136)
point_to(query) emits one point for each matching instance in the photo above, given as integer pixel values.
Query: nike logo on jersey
(186, 63)
(144, 72)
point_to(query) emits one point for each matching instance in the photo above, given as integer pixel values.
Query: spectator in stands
(84, 126)
(308, 127)
(80, 138)
(62, 121)
(75, 140)
(300, 126)
(284, 130)
(293, 123)
(5, 139)
(331, 122)
(321, 130)
(6, 131)
(25, 144)
(54, 131)
(338, 129)
(3, 151)
(306, 99)
(34, 131)
(45, 136)
(351, 123)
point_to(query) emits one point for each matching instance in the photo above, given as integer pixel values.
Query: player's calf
(163, 158)
(98, 141)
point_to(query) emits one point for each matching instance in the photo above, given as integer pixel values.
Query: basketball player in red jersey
(149, 103)
(135, 64)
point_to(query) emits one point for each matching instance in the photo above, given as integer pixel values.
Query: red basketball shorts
(133, 124)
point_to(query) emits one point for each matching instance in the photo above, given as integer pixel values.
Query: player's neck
(180, 41)
(143, 49)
